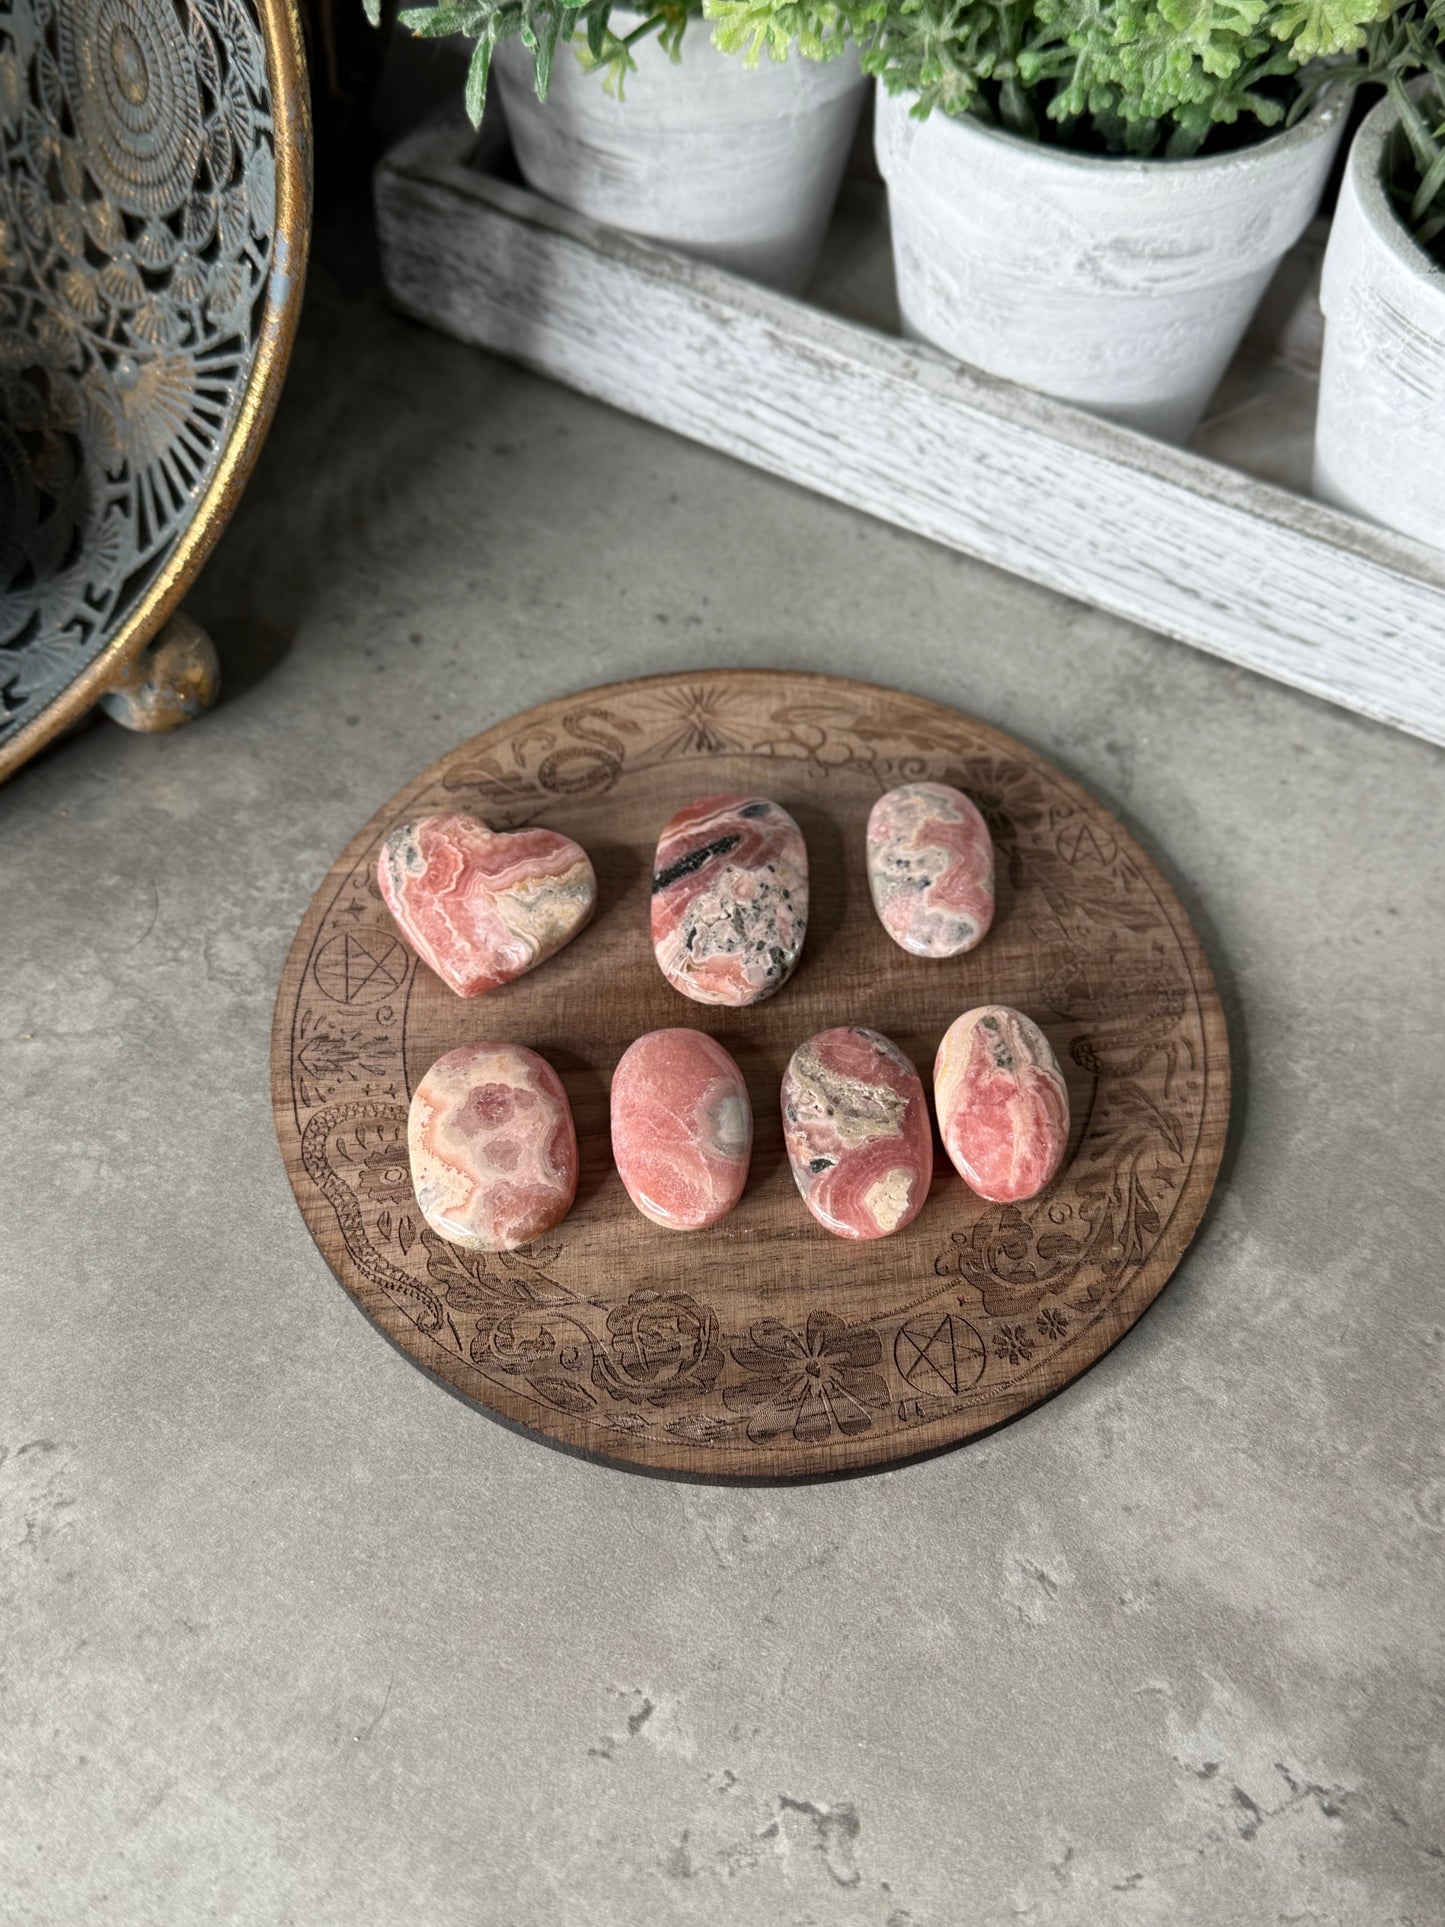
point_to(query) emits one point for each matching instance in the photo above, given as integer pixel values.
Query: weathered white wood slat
(1168, 539)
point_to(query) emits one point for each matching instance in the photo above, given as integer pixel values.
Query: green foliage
(1117, 76)
(610, 54)
(820, 29)
(1409, 47)
(1146, 77)
(1315, 29)
(543, 26)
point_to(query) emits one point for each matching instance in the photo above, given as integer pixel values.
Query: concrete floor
(291, 1636)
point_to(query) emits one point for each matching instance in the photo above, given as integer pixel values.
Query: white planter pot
(1380, 431)
(740, 166)
(1122, 286)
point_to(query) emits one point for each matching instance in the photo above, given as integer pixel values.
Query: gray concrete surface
(291, 1636)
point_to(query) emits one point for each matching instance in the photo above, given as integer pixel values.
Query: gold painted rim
(291, 118)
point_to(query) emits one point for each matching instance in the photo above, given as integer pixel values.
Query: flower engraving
(1015, 1344)
(663, 1348)
(1051, 1323)
(384, 1175)
(807, 1383)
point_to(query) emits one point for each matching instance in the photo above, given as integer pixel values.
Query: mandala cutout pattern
(137, 208)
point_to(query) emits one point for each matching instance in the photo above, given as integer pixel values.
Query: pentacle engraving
(137, 213)
(933, 1354)
(361, 966)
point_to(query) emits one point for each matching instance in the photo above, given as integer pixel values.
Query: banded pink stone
(729, 899)
(855, 1123)
(930, 869)
(493, 1148)
(1003, 1105)
(682, 1128)
(481, 906)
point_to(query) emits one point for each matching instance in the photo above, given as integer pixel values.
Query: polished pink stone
(856, 1126)
(493, 1150)
(484, 906)
(930, 869)
(682, 1128)
(729, 899)
(1003, 1105)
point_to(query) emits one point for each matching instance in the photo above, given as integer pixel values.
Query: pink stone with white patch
(930, 869)
(1003, 1105)
(493, 1148)
(855, 1123)
(682, 1128)
(484, 906)
(729, 899)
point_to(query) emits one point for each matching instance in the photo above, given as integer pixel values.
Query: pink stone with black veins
(484, 906)
(493, 1148)
(930, 869)
(855, 1123)
(1003, 1105)
(682, 1128)
(729, 899)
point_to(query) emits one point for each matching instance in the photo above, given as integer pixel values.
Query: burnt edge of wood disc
(602, 1349)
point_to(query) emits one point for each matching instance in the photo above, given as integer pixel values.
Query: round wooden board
(763, 1347)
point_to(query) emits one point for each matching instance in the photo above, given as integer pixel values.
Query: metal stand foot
(174, 680)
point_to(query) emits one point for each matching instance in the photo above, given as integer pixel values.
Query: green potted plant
(632, 115)
(1380, 431)
(1089, 196)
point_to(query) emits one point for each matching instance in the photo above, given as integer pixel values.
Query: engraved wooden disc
(764, 1347)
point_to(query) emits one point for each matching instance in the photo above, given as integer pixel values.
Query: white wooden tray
(1174, 539)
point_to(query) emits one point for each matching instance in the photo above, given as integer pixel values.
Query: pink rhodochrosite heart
(682, 1128)
(1003, 1105)
(856, 1126)
(729, 899)
(930, 869)
(484, 906)
(493, 1148)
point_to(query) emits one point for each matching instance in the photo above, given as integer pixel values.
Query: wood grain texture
(763, 1347)
(1183, 545)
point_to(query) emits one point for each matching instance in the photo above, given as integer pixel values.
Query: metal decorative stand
(154, 208)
